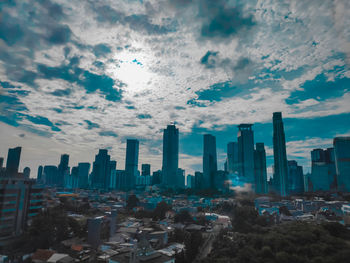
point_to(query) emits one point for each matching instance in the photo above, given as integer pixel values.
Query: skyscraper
(100, 175)
(280, 176)
(323, 171)
(295, 178)
(246, 153)
(209, 160)
(170, 156)
(13, 157)
(260, 169)
(146, 169)
(63, 170)
(232, 157)
(26, 172)
(83, 175)
(39, 177)
(131, 162)
(342, 162)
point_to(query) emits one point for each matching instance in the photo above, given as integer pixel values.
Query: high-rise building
(280, 176)
(295, 178)
(198, 180)
(63, 170)
(26, 172)
(100, 176)
(83, 175)
(260, 169)
(50, 175)
(323, 171)
(209, 160)
(1, 162)
(131, 162)
(246, 153)
(156, 177)
(20, 201)
(39, 177)
(170, 156)
(13, 158)
(342, 162)
(74, 178)
(146, 169)
(232, 157)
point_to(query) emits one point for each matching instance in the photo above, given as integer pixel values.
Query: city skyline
(78, 77)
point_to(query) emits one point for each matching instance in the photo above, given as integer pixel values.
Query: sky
(76, 76)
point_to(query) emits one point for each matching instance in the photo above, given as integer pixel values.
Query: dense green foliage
(47, 230)
(254, 240)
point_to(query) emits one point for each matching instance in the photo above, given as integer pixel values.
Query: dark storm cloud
(61, 92)
(59, 35)
(108, 133)
(212, 59)
(90, 81)
(144, 116)
(222, 20)
(219, 19)
(91, 125)
(42, 121)
(101, 50)
(208, 60)
(137, 22)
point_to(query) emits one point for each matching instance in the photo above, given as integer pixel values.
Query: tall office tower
(209, 160)
(146, 169)
(83, 175)
(280, 176)
(170, 156)
(39, 177)
(21, 200)
(246, 153)
(323, 171)
(1, 162)
(113, 165)
(26, 172)
(342, 162)
(156, 177)
(13, 157)
(63, 170)
(198, 180)
(295, 178)
(131, 162)
(260, 169)
(74, 178)
(50, 175)
(101, 170)
(232, 157)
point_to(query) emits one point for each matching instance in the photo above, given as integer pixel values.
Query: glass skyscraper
(83, 175)
(323, 172)
(63, 170)
(170, 156)
(246, 153)
(280, 176)
(342, 162)
(13, 158)
(131, 162)
(260, 169)
(295, 178)
(232, 157)
(100, 175)
(210, 166)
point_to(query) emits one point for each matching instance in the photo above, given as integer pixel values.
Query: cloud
(108, 133)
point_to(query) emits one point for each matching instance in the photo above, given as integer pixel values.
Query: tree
(160, 210)
(132, 202)
(193, 242)
(183, 217)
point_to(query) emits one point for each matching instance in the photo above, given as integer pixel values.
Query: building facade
(280, 176)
